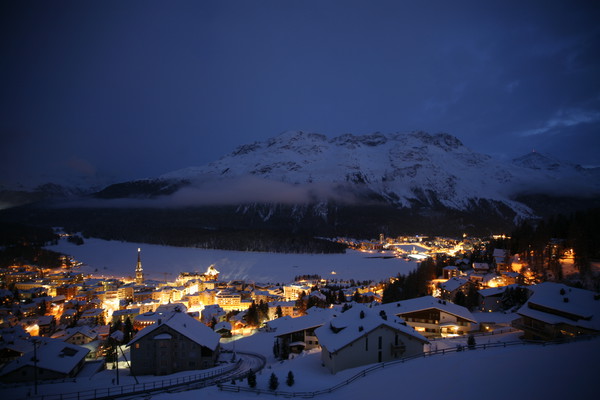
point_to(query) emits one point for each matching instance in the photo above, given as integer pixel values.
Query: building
(433, 317)
(452, 286)
(173, 344)
(139, 272)
(55, 360)
(294, 335)
(364, 335)
(293, 291)
(556, 311)
(228, 300)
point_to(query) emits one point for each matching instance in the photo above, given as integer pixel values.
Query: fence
(460, 348)
(138, 388)
(477, 334)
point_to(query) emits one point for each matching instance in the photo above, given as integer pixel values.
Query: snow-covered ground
(519, 372)
(113, 258)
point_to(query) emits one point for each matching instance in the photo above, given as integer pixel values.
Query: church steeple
(139, 272)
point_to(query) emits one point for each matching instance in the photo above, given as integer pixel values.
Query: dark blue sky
(134, 89)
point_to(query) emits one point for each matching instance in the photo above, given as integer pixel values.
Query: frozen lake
(113, 258)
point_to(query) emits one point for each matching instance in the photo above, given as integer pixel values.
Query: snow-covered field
(113, 258)
(521, 372)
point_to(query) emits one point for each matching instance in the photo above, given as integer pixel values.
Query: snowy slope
(401, 168)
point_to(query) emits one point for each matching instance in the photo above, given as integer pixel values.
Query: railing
(116, 391)
(459, 348)
(477, 334)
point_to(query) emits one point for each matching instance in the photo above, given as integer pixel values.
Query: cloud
(234, 191)
(564, 119)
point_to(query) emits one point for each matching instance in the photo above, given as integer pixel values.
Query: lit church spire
(139, 272)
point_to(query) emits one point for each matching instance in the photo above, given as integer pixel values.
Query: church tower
(139, 272)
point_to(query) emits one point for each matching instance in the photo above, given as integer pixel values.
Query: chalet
(46, 324)
(556, 311)
(481, 268)
(175, 343)
(452, 286)
(364, 335)
(433, 317)
(450, 271)
(501, 259)
(55, 360)
(223, 329)
(297, 334)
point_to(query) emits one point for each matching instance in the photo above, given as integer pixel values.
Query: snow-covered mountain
(401, 168)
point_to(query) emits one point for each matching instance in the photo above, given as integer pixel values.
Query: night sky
(133, 89)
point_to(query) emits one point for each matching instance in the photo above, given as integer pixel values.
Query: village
(162, 328)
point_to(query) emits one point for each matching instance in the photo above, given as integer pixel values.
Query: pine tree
(251, 378)
(290, 379)
(278, 312)
(273, 382)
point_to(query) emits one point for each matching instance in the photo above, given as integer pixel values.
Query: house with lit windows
(294, 335)
(433, 317)
(556, 311)
(176, 342)
(364, 335)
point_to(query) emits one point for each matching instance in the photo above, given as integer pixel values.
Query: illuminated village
(476, 290)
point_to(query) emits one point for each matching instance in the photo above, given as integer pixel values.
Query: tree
(252, 315)
(127, 330)
(273, 382)
(460, 299)
(212, 323)
(278, 312)
(263, 312)
(251, 378)
(290, 379)
(471, 342)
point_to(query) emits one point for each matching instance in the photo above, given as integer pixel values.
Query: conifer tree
(251, 379)
(273, 382)
(290, 379)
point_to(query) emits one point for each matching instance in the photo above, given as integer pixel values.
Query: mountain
(400, 169)
(307, 184)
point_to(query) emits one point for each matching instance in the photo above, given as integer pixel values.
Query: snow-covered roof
(222, 325)
(581, 307)
(500, 253)
(356, 322)
(310, 320)
(482, 266)
(425, 303)
(275, 324)
(70, 332)
(187, 326)
(496, 290)
(454, 283)
(52, 355)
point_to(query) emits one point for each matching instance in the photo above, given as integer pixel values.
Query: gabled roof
(311, 320)
(357, 322)
(185, 325)
(454, 283)
(52, 355)
(426, 303)
(582, 307)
